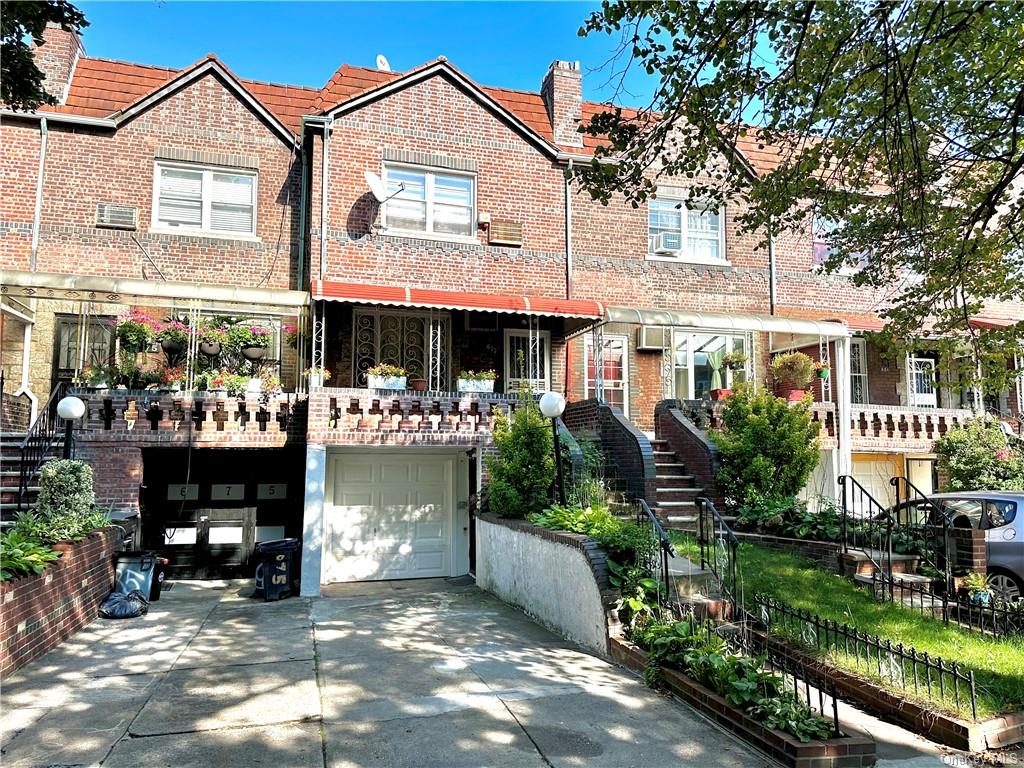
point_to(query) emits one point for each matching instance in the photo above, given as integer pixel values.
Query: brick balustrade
(363, 416)
(148, 418)
(908, 429)
(42, 610)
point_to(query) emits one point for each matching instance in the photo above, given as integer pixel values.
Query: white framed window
(858, 371)
(822, 228)
(526, 367)
(615, 370)
(220, 201)
(439, 203)
(680, 231)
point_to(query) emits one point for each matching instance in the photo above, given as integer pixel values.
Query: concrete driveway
(421, 673)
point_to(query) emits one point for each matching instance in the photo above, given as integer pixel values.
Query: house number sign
(188, 492)
(227, 491)
(271, 490)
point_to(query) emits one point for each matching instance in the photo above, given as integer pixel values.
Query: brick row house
(194, 193)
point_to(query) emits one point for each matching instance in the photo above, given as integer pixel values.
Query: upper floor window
(822, 228)
(214, 200)
(430, 202)
(685, 232)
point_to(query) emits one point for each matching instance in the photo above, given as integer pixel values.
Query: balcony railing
(340, 415)
(148, 417)
(902, 427)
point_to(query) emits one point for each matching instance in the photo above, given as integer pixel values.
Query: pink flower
(1004, 454)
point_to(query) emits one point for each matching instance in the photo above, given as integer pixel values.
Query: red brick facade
(42, 610)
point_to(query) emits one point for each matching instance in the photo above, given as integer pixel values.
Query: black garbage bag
(117, 605)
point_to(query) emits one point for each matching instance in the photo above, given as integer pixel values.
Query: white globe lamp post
(552, 406)
(71, 409)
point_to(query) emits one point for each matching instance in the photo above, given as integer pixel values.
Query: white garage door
(875, 476)
(388, 517)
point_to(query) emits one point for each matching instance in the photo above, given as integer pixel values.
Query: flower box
(475, 385)
(386, 382)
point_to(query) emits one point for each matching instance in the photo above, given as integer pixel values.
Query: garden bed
(41, 610)
(845, 751)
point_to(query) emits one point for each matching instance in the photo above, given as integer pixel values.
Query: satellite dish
(382, 63)
(376, 186)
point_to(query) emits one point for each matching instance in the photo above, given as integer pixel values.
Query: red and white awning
(423, 298)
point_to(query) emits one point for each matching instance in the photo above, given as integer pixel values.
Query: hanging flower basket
(210, 348)
(254, 352)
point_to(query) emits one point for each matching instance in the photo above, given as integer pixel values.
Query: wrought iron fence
(644, 516)
(894, 664)
(718, 545)
(817, 691)
(994, 618)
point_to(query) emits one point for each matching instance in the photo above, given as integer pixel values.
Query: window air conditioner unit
(662, 244)
(111, 216)
(653, 338)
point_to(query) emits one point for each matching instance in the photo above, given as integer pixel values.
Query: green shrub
(524, 469)
(768, 447)
(790, 517)
(50, 529)
(980, 456)
(65, 487)
(20, 554)
(625, 542)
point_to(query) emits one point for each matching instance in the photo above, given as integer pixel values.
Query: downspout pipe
(772, 298)
(38, 213)
(568, 270)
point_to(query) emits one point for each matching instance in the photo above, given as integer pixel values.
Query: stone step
(661, 466)
(684, 491)
(668, 479)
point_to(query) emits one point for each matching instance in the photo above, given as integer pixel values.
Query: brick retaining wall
(40, 611)
(15, 413)
(825, 553)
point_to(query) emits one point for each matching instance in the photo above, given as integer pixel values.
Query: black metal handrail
(866, 524)
(927, 676)
(930, 537)
(718, 548)
(645, 516)
(40, 439)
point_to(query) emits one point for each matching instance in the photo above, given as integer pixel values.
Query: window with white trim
(216, 200)
(614, 371)
(822, 228)
(858, 371)
(432, 202)
(684, 231)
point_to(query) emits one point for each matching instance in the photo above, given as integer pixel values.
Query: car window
(916, 513)
(963, 513)
(1000, 512)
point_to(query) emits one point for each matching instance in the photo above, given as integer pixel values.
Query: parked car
(999, 513)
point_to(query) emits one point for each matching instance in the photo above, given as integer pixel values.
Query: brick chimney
(56, 59)
(563, 96)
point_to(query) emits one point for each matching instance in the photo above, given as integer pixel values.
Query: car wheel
(1006, 587)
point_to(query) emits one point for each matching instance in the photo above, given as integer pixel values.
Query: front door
(527, 360)
(76, 345)
(208, 542)
(614, 371)
(923, 392)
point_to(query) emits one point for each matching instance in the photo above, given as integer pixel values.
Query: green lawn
(998, 664)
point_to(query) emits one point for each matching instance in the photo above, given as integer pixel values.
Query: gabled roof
(106, 88)
(352, 87)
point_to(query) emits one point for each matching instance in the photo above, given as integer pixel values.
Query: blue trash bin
(135, 570)
(275, 569)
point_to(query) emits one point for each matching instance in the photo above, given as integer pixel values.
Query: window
(526, 367)
(204, 200)
(822, 228)
(429, 202)
(698, 363)
(858, 371)
(418, 342)
(614, 369)
(76, 346)
(677, 231)
(1000, 513)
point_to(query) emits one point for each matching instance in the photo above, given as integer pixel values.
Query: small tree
(522, 472)
(768, 447)
(979, 456)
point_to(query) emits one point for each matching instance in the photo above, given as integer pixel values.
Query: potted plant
(734, 361)
(476, 381)
(94, 376)
(977, 587)
(418, 385)
(134, 330)
(172, 378)
(173, 337)
(291, 334)
(384, 376)
(212, 338)
(792, 373)
(317, 376)
(823, 370)
(250, 340)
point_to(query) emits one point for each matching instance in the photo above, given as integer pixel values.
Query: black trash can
(158, 578)
(275, 568)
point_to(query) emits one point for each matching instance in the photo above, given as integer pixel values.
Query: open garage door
(389, 516)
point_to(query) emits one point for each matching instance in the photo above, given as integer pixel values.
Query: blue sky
(507, 44)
